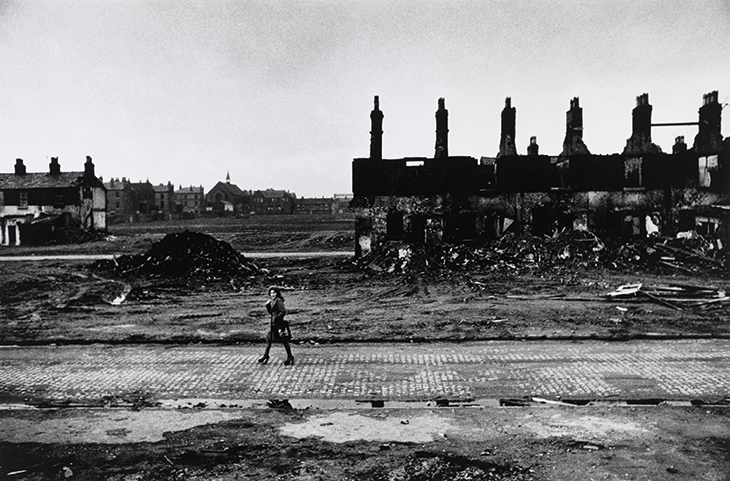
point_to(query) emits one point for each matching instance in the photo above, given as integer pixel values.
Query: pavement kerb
(314, 340)
(301, 404)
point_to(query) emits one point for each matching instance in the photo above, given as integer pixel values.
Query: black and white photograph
(364, 240)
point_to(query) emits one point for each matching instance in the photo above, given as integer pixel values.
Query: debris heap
(510, 252)
(184, 255)
(676, 296)
(562, 251)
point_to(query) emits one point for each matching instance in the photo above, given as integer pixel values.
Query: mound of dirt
(184, 255)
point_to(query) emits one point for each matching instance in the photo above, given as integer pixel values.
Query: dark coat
(277, 309)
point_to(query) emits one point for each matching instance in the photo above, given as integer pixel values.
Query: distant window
(707, 166)
(23, 203)
(59, 200)
(117, 194)
(118, 205)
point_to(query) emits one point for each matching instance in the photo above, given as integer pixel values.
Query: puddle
(560, 425)
(341, 427)
(107, 427)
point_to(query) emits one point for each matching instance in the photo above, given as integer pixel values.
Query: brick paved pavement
(678, 370)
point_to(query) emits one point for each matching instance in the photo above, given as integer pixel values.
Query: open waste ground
(173, 284)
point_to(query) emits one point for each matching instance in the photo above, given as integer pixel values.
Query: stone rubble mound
(184, 255)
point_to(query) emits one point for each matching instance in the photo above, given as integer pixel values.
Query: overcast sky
(279, 93)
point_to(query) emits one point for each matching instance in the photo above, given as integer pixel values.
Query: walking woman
(278, 327)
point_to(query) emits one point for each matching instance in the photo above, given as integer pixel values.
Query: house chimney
(573, 143)
(507, 139)
(89, 169)
(679, 145)
(442, 131)
(376, 131)
(533, 148)
(19, 167)
(640, 140)
(709, 138)
(54, 167)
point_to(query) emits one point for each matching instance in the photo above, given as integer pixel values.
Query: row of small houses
(42, 207)
(141, 201)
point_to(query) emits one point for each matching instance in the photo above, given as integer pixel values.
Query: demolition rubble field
(189, 286)
(191, 283)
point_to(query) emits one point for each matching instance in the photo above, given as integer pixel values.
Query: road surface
(669, 370)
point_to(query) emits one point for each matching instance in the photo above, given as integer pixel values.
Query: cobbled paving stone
(677, 370)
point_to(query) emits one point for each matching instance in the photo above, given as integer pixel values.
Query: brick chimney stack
(376, 131)
(573, 143)
(533, 148)
(54, 167)
(19, 167)
(709, 138)
(640, 140)
(442, 131)
(507, 138)
(679, 145)
(89, 169)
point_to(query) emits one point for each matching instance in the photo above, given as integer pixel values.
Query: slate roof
(273, 194)
(231, 189)
(40, 180)
(190, 190)
(162, 188)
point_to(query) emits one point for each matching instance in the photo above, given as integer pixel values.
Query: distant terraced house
(42, 207)
(271, 201)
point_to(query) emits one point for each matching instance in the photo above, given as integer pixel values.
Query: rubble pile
(184, 255)
(688, 252)
(562, 251)
(517, 253)
(676, 296)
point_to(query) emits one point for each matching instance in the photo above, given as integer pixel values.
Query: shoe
(289, 361)
(264, 360)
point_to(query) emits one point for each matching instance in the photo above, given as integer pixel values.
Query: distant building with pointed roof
(227, 198)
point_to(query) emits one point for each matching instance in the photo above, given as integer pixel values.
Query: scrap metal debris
(675, 296)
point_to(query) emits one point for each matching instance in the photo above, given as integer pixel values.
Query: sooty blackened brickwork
(641, 191)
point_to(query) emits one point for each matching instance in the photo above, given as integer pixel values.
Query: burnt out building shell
(465, 200)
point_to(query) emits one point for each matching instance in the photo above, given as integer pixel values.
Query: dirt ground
(334, 300)
(550, 443)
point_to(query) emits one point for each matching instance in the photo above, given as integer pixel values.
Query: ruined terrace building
(41, 207)
(463, 200)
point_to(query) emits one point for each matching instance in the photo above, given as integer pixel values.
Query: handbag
(283, 331)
